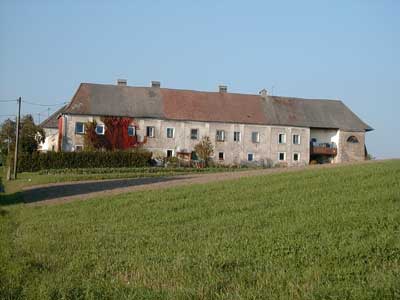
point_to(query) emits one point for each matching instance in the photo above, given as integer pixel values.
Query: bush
(73, 160)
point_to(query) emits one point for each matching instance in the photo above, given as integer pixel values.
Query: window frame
(223, 155)
(279, 156)
(257, 140)
(153, 131)
(279, 138)
(298, 138)
(252, 156)
(352, 140)
(80, 146)
(102, 126)
(83, 128)
(220, 138)
(191, 133)
(173, 132)
(172, 153)
(134, 130)
(239, 136)
(298, 156)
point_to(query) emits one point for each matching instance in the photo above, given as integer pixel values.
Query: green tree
(31, 135)
(7, 138)
(204, 149)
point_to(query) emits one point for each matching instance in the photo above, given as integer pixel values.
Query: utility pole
(17, 139)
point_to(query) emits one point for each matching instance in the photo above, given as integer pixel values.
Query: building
(50, 126)
(256, 128)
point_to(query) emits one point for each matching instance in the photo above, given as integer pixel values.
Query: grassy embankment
(315, 234)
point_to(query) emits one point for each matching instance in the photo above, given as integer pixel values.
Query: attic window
(352, 139)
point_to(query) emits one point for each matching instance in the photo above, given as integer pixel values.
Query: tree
(7, 138)
(31, 135)
(204, 149)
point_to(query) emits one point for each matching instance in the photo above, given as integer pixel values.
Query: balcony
(323, 149)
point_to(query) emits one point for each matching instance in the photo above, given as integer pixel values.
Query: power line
(7, 115)
(8, 100)
(41, 104)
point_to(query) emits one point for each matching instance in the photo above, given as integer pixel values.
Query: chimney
(121, 82)
(155, 84)
(263, 92)
(223, 89)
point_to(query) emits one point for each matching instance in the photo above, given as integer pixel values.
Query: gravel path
(70, 191)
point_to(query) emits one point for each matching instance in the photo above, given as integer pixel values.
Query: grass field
(316, 234)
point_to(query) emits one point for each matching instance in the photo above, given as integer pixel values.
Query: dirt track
(82, 190)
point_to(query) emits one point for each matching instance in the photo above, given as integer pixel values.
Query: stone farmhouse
(244, 128)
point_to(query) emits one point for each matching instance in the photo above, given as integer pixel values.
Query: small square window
(281, 156)
(250, 156)
(100, 129)
(221, 155)
(170, 153)
(170, 133)
(282, 138)
(220, 136)
(255, 137)
(79, 128)
(236, 136)
(296, 139)
(296, 156)
(150, 131)
(194, 134)
(78, 148)
(131, 131)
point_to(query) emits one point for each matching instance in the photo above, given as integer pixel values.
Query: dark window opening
(352, 139)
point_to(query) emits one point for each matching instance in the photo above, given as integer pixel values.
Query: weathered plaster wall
(351, 151)
(234, 152)
(325, 135)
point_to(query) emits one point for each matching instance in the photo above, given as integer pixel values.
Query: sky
(347, 50)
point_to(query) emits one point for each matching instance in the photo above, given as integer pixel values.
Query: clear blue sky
(348, 50)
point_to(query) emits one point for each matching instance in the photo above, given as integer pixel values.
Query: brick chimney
(223, 89)
(155, 84)
(122, 82)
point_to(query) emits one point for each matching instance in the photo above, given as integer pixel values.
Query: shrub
(64, 160)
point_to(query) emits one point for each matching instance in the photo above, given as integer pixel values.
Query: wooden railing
(323, 150)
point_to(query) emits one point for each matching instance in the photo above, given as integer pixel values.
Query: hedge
(72, 160)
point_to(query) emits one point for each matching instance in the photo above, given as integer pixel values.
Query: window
(255, 137)
(352, 139)
(78, 148)
(100, 129)
(79, 128)
(250, 156)
(194, 134)
(236, 136)
(220, 136)
(131, 131)
(170, 133)
(221, 155)
(282, 138)
(281, 156)
(150, 131)
(170, 153)
(296, 139)
(296, 156)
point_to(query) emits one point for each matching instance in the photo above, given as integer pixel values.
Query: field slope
(317, 234)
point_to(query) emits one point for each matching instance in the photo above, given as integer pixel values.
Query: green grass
(316, 234)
